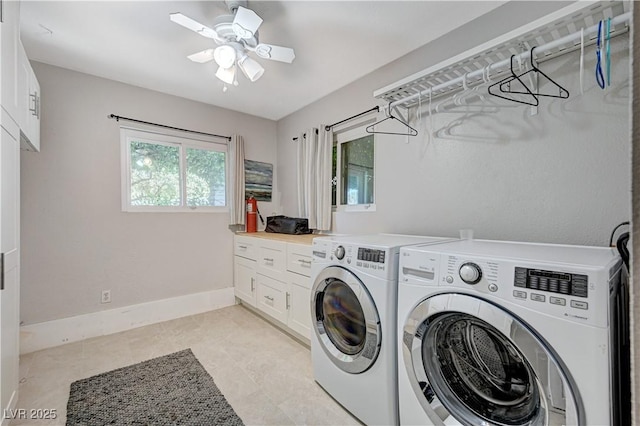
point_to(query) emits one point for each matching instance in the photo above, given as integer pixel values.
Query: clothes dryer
(502, 333)
(353, 309)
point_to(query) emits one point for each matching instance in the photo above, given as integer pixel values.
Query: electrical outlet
(106, 296)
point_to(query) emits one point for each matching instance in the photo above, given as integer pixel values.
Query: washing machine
(504, 333)
(353, 309)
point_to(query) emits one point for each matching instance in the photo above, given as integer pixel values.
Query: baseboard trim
(34, 337)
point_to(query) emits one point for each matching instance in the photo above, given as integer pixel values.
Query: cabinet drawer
(272, 297)
(299, 259)
(272, 259)
(245, 247)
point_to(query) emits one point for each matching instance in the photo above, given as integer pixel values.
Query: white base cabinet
(244, 279)
(274, 277)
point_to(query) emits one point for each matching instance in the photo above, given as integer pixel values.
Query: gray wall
(561, 176)
(76, 241)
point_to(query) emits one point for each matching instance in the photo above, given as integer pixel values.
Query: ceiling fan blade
(246, 22)
(276, 53)
(202, 57)
(196, 26)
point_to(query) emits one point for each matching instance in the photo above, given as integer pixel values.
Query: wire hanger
(505, 85)
(411, 131)
(531, 98)
(562, 92)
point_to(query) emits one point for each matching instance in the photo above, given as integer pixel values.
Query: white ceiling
(335, 42)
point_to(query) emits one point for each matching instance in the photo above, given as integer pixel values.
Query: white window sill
(356, 208)
(157, 209)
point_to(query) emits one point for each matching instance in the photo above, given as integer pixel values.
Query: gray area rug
(173, 389)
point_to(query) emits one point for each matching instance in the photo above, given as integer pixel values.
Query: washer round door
(470, 360)
(345, 319)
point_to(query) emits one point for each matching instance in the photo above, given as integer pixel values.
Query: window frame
(129, 134)
(340, 138)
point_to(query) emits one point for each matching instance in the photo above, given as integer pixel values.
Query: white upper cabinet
(29, 103)
(10, 52)
(20, 92)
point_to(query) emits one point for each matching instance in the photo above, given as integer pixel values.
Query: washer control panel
(552, 282)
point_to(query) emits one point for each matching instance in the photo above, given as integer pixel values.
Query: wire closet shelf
(553, 35)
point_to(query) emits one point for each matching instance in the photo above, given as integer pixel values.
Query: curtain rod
(328, 127)
(295, 139)
(118, 118)
(375, 108)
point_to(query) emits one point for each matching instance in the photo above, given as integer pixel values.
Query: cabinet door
(10, 41)
(299, 303)
(271, 297)
(244, 279)
(33, 111)
(9, 269)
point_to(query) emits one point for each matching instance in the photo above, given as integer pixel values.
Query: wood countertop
(287, 238)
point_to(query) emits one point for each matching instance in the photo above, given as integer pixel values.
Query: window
(353, 171)
(169, 173)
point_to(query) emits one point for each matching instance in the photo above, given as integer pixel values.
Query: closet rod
(623, 18)
(375, 108)
(118, 118)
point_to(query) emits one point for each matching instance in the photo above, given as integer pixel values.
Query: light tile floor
(265, 375)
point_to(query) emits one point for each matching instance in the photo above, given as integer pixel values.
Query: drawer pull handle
(288, 304)
(266, 259)
(242, 247)
(253, 287)
(269, 298)
(304, 262)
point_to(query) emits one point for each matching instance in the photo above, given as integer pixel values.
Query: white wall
(562, 176)
(76, 241)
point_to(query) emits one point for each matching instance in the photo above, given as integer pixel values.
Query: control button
(557, 301)
(538, 297)
(579, 304)
(349, 260)
(470, 273)
(493, 288)
(449, 279)
(339, 252)
(520, 294)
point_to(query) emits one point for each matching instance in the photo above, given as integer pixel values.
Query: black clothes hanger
(562, 92)
(505, 86)
(390, 116)
(531, 98)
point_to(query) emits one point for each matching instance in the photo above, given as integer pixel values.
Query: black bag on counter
(287, 225)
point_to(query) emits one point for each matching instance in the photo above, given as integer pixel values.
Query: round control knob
(339, 252)
(470, 273)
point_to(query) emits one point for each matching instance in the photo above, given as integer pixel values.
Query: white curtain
(236, 181)
(314, 177)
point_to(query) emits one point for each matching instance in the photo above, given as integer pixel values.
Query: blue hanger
(608, 51)
(599, 75)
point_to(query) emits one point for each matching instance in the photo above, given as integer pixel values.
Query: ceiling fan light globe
(227, 75)
(225, 56)
(250, 68)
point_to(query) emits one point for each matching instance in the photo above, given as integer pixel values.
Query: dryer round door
(470, 360)
(346, 320)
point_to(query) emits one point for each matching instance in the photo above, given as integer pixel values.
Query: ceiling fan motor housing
(234, 4)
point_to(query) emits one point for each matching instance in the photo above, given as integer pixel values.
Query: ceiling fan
(236, 35)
